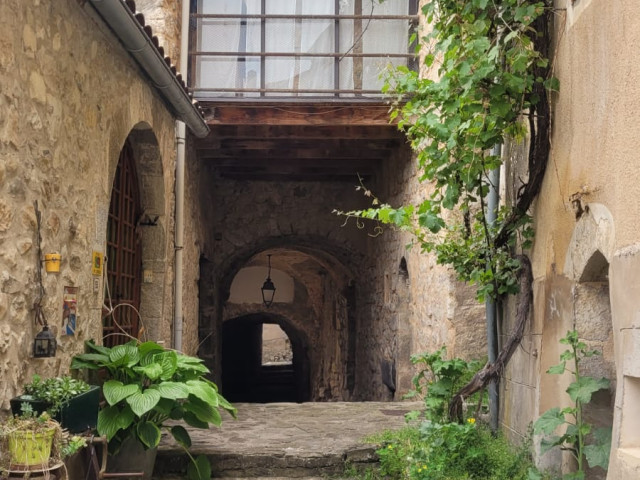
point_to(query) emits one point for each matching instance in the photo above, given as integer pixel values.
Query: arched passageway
(247, 378)
(314, 305)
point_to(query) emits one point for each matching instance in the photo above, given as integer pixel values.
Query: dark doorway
(246, 378)
(124, 254)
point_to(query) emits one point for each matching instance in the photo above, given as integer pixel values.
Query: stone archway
(245, 378)
(316, 295)
(587, 266)
(149, 228)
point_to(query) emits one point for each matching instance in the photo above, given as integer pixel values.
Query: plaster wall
(586, 207)
(70, 96)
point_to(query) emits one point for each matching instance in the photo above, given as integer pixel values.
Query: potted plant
(147, 385)
(70, 401)
(33, 441)
(29, 439)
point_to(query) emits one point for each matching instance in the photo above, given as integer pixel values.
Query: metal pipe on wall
(181, 133)
(491, 307)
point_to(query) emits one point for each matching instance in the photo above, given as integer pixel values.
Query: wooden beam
(289, 177)
(331, 115)
(297, 153)
(261, 162)
(283, 132)
(305, 144)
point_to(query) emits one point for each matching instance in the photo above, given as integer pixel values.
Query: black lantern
(44, 345)
(268, 288)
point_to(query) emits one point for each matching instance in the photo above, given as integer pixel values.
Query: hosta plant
(146, 386)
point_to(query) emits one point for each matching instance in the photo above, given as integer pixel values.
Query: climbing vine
(493, 79)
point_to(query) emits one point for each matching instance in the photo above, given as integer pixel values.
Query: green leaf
(114, 391)
(547, 443)
(193, 421)
(97, 348)
(149, 434)
(152, 371)
(165, 406)
(552, 84)
(169, 363)
(597, 454)
(203, 391)
(549, 421)
(199, 469)
(125, 355)
(582, 389)
(557, 369)
(91, 361)
(204, 411)
(182, 436)
(172, 390)
(112, 419)
(144, 401)
(148, 347)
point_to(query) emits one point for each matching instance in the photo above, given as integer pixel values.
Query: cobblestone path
(288, 440)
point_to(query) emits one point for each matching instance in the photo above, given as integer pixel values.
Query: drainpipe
(491, 308)
(181, 133)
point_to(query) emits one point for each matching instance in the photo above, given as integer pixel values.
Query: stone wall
(70, 96)
(294, 222)
(414, 304)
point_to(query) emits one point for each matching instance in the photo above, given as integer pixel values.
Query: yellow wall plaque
(96, 263)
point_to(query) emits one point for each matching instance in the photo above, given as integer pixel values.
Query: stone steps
(272, 466)
(287, 440)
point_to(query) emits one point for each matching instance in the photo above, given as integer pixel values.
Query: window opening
(124, 254)
(255, 48)
(276, 346)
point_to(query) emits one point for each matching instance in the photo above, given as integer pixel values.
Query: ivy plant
(577, 431)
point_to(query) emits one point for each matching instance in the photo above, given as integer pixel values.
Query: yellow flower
(471, 420)
(390, 447)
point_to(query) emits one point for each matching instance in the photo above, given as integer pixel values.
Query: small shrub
(438, 380)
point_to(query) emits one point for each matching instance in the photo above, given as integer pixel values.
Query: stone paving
(288, 440)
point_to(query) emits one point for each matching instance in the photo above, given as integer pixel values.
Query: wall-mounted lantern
(44, 345)
(268, 288)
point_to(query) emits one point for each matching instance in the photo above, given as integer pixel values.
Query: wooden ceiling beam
(326, 144)
(288, 177)
(293, 132)
(296, 153)
(261, 162)
(330, 115)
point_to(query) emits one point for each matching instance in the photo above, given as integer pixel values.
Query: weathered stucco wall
(70, 96)
(585, 251)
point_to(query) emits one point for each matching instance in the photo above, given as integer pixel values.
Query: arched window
(124, 256)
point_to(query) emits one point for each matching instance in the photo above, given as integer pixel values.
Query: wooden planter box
(77, 415)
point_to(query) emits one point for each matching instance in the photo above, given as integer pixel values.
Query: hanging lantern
(44, 345)
(268, 288)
